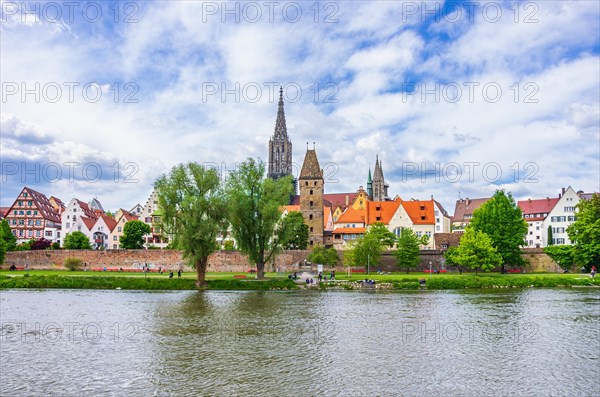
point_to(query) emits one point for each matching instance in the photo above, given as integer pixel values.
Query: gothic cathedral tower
(311, 197)
(379, 187)
(280, 146)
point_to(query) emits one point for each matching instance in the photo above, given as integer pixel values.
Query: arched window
(310, 217)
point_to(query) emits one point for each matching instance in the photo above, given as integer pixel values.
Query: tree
(41, 244)
(296, 237)
(382, 233)
(77, 241)
(366, 250)
(133, 234)
(324, 256)
(502, 220)
(450, 257)
(408, 254)
(228, 245)
(2, 247)
(192, 208)
(7, 236)
(25, 246)
(561, 254)
(585, 233)
(550, 237)
(476, 251)
(73, 264)
(253, 204)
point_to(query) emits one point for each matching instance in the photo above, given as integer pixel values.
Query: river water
(300, 343)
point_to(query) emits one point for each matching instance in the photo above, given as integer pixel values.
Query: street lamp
(429, 269)
(368, 264)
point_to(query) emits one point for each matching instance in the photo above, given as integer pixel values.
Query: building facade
(32, 216)
(311, 197)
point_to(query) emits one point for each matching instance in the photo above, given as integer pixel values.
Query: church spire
(280, 146)
(370, 185)
(280, 126)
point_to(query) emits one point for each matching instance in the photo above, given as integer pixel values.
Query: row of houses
(346, 216)
(33, 216)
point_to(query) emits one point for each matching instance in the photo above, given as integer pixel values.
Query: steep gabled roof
(420, 212)
(310, 167)
(352, 216)
(89, 222)
(88, 212)
(111, 223)
(467, 207)
(538, 206)
(43, 205)
(381, 211)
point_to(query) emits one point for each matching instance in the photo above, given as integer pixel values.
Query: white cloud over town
(179, 84)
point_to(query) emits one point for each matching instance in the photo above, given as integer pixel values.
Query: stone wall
(229, 261)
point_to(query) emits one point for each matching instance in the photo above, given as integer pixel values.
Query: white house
(561, 216)
(76, 209)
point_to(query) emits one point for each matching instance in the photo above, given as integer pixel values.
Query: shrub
(73, 264)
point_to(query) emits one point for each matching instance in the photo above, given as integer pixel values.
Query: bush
(55, 246)
(73, 264)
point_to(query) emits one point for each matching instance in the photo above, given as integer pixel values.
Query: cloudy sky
(457, 98)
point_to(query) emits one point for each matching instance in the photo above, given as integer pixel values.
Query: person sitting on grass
(171, 274)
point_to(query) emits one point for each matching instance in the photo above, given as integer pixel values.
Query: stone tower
(280, 146)
(311, 197)
(380, 188)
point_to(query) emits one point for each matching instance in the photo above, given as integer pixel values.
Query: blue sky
(457, 98)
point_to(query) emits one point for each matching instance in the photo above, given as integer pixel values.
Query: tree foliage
(253, 206)
(324, 256)
(366, 250)
(382, 233)
(296, 232)
(77, 241)
(192, 208)
(41, 244)
(73, 264)
(450, 257)
(408, 254)
(2, 247)
(476, 251)
(585, 233)
(502, 221)
(133, 234)
(7, 236)
(561, 254)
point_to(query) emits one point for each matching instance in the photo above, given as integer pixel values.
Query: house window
(378, 218)
(28, 212)
(38, 233)
(20, 203)
(305, 183)
(48, 233)
(30, 203)
(38, 222)
(569, 209)
(35, 213)
(422, 217)
(119, 229)
(444, 246)
(315, 184)
(571, 218)
(24, 194)
(68, 216)
(68, 225)
(14, 221)
(114, 238)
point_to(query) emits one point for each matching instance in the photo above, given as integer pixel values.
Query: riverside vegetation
(274, 281)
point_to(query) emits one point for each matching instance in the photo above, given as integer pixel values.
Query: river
(534, 342)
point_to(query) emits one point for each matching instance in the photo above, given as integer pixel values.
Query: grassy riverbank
(228, 281)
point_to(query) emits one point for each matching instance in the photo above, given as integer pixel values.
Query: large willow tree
(192, 212)
(254, 212)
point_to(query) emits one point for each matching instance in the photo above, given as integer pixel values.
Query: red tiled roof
(384, 210)
(537, 207)
(420, 212)
(334, 199)
(43, 205)
(467, 207)
(111, 223)
(129, 216)
(87, 210)
(89, 223)
(352, 216)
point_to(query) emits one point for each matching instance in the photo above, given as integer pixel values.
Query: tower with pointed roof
(311, 196)
(280, 146)
(379, 187)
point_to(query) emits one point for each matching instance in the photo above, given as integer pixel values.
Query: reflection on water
(530, 342)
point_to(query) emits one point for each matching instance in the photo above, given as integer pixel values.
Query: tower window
(315, 183)
(311, 203)
(311, 192)
(310, 217)
(311, 229)
(306, 183)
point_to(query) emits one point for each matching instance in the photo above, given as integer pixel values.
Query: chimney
(559, 195)
(547, 198)
(467, 201)
(347, 200)
(563, 190)
(529, 201)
